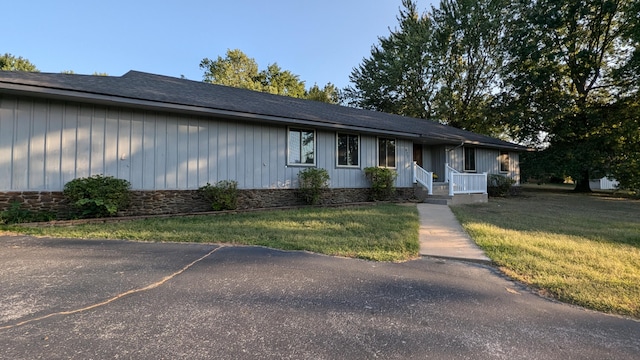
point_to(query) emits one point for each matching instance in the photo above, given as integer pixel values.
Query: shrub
(499, 186)
(313, 182)
(98, 196)
(16, 214)
(382, 182)
(222, 196)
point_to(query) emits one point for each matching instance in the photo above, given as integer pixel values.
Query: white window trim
(475, 159)
(315, 147)
(338, 153)
(395, 141)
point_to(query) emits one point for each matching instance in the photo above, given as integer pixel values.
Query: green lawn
(386, 232)
(581, 249)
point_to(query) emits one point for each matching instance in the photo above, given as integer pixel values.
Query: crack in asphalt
(112, 299)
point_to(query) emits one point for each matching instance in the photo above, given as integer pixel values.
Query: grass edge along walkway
(580, 249)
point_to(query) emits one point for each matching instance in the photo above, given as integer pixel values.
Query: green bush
(16, 214)
(98, 196)
(499, 186)
(313, 182)
(382, 182)
(222, 196)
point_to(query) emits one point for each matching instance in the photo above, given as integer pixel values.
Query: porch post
(486, 183)
(446, 172)
(450, 187)
(415, 163)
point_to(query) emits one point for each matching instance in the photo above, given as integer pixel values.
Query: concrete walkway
(442, 236)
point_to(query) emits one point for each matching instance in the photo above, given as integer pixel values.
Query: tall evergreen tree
(399, 75)
(444, 67)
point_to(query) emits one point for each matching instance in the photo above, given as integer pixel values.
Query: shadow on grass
(601, 217)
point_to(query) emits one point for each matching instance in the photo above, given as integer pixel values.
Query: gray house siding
(487, 160)
(45, 144)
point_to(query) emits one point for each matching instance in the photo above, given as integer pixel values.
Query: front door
(417, 154)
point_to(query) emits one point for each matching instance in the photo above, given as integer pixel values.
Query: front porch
(457, 188)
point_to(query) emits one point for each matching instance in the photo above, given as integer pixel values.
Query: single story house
(170, 136)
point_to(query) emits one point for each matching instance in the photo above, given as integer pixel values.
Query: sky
(320, 41)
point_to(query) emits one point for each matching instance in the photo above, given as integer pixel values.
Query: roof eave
(111, 100)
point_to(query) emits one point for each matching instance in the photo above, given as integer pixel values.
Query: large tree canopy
(9, 62)
(570, 70)
(562, 75)
(467, 48)
(442, 66)
(236, 69)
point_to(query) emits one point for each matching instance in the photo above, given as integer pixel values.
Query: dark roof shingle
(174, 92)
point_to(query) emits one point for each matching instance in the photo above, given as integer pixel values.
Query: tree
(621, 140)
(236, 70)
(399, 76)
(239, 70)
(444, 67)
(569, 60)
(328, 94)
(9, 62)
(466, 44)
(274, 80)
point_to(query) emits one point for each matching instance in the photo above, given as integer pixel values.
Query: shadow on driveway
(235, 302)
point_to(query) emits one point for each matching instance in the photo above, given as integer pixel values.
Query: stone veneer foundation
(188, 201)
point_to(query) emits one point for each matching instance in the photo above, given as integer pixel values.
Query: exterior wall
(45, 144)
(487, 160)
(437, 157)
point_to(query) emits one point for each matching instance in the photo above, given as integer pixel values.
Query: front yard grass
(386, 232)
(582, 249)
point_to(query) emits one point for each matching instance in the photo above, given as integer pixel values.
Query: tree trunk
(582, 184)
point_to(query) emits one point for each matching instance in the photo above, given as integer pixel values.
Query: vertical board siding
(53, 151)
(37, 147)
(68, 144)
(487, 160)
(514, 166)
(45, 144)
(7, 126)
(21, 145)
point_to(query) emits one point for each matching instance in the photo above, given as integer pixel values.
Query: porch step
(440, 188)
(438, 199)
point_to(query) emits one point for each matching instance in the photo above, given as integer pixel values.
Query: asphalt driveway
(93, 299)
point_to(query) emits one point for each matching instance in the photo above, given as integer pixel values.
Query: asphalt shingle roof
(174, 92)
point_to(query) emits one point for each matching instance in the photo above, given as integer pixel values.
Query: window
(387, 152)
(302, 147)
(348, 150)
(469, 159)
(504, 161)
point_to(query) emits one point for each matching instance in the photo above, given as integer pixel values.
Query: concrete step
(440, 189)
(438, 199)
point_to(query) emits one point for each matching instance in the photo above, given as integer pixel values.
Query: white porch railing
(465, 183)
(447, 172)
(423, 177)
